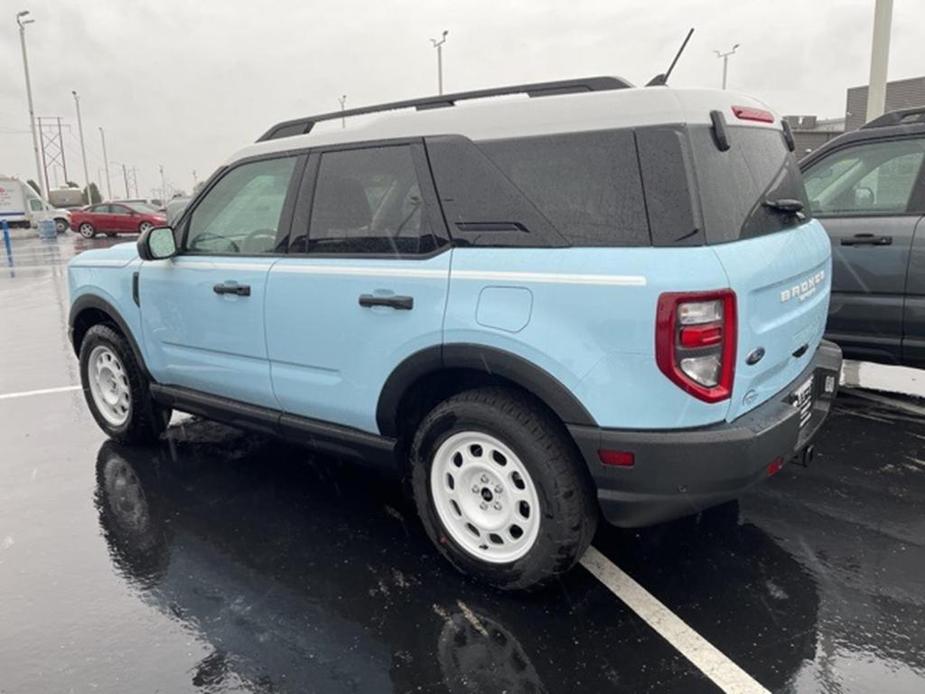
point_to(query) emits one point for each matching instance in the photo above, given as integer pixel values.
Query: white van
(23, 208)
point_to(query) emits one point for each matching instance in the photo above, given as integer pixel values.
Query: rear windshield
(735, 184)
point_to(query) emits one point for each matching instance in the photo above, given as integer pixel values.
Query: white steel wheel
(109, 385)
(485, 497)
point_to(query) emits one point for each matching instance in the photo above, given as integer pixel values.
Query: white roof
(503, 117)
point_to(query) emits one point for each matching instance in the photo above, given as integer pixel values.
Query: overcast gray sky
(184, 83)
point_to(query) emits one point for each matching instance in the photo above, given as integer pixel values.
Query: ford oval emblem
(755, 356)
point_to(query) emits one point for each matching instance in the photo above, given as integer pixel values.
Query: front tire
(61, 225)
(144, 226)
(116, 389)
(500, 489)
(86, 230)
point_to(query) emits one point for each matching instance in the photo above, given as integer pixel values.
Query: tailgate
(782, 283)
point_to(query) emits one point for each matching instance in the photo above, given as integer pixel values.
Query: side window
(369, 201)
(873, 178)
(119, 209)
(587, 184)
(100, 209)
(36, 205)
(241, 213)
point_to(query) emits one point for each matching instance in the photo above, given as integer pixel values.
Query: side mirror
(157, 244)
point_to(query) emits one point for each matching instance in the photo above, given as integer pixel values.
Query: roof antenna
(661, 79)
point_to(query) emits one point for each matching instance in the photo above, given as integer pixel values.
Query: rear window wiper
(788, 206)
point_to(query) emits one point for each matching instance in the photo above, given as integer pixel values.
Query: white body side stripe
(551, 278)
(486, 276)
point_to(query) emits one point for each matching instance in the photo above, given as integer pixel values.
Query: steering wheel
(269, 234)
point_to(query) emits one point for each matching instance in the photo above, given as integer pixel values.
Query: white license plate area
(802, 399)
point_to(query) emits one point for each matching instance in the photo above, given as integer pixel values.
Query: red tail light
(749, 113)
(695, 341)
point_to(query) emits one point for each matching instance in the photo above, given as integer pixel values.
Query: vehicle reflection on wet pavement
(222, 561)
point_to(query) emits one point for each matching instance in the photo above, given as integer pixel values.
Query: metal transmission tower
(50, 134)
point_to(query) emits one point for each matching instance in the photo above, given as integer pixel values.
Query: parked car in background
(867, 187)
(113, 218)
(175, 207)
(155, 203)
(66, 198)
(22, 207)
(600, 300)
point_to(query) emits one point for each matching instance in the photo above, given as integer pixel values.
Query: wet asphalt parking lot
(223, 561)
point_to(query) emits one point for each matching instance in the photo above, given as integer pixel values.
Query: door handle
(232, 288)
(867, 240)
(401, 303)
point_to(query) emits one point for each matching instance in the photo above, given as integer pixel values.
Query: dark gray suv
(867, 187)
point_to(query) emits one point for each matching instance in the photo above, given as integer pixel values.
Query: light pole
(725, 57)
(343, 103)
(879, 59)
(163, 185)
(22, 21)
(83, 149)
(106, 165)
(439, 46)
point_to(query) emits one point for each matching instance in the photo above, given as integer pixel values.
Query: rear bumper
(679, 472)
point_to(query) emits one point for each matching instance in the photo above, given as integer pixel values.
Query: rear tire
(144, 226)
(544, 516)
(116, 388)
(86, 230)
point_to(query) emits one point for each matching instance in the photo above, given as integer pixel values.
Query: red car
(113, 218)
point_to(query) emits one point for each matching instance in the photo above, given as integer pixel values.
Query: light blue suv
(599, 299)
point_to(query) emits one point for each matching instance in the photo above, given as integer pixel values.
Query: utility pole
(21, 21)
(439, 46)
(879, 59)
(725, 57)
(163, 185)
(343, 103)
(125, 179)
(195, 183)
(106, 165)
(83, 149)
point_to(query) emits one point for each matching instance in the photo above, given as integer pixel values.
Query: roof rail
(301, 126)
(899, 117)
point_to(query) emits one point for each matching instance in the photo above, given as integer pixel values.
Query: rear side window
(586, 184)
(734, 184)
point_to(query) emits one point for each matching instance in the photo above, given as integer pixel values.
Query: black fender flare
(91, 301)
(495, 361)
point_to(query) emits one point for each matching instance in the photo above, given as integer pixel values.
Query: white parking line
(707, 658)
(43, 391)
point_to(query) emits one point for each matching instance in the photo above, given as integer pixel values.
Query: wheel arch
(452, 367)
(89, 310)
